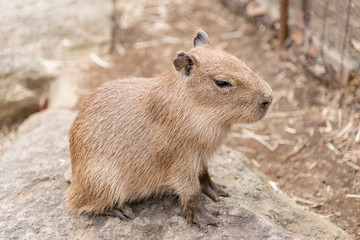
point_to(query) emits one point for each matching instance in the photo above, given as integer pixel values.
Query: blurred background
(54, 53)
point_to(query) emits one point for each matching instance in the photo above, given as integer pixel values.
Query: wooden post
(306, 12)
(284, 15)
(343, 79)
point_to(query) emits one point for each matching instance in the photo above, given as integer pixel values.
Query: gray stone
(32, 206)
(41, 38)
(22, 91)
(55, 30)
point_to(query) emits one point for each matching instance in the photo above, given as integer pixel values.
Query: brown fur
(139, 137)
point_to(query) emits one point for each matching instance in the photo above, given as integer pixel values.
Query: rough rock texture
(32, 207)
(21, 93)
(37, 38)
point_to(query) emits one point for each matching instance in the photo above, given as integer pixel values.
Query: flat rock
(32, 185)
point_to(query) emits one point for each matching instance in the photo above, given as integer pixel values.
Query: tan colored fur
(138, 137)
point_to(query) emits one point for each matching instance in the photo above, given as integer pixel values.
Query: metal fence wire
(335, 28)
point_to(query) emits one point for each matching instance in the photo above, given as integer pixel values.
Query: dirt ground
(306, 143)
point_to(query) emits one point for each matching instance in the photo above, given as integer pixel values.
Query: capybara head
(222, 82)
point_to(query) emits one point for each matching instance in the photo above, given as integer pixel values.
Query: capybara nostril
(265, 104)
(266, 101)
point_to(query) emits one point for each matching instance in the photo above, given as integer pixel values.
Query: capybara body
(141, 137)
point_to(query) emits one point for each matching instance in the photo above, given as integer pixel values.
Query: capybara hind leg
(124, 212)
(210, 188)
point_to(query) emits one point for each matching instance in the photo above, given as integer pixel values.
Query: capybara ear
(201, 39)
(184, 63)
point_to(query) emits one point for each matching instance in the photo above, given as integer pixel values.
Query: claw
(203, 227)
(210, 193)
(128, 211)
(219, 224)
(124, 212)
(116, 213)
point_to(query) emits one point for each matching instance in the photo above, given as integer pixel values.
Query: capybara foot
(196, 213)
(210, 188)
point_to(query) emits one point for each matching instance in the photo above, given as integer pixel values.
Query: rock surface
(38, 38)
(32, 207)
(22, 92)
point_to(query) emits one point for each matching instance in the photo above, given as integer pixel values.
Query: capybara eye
(222, 84)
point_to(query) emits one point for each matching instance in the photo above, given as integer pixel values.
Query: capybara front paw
(210, 188)
(202, 218)
(213, 191)
(196, 213)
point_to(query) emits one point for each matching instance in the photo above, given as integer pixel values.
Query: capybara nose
(266, 101)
